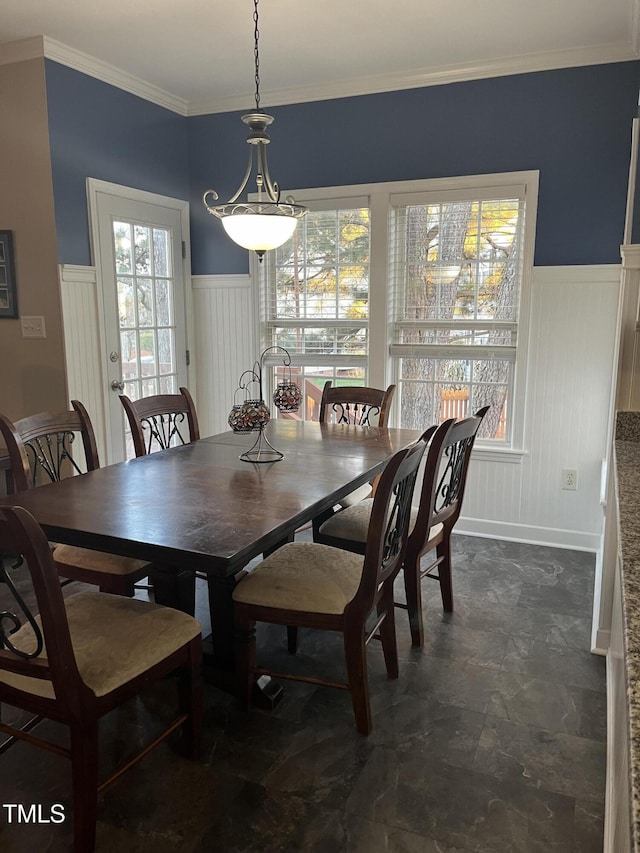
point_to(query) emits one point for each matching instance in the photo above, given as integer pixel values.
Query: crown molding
(40, 47)
(506, 66)
(45, 47)
(22, 50)
(110, 74)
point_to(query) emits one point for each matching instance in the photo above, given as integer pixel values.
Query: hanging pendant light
(267, 222)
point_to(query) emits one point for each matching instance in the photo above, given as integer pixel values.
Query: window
(316, 303)
(456, 272)
(421, 283)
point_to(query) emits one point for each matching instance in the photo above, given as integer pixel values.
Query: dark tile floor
(492, 740)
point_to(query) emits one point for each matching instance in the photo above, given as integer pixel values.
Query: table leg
(174, 587)
(219, 652)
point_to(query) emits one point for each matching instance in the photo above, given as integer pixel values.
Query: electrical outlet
(33, 327)
(569, 479)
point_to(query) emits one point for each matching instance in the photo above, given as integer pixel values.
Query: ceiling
(200, 52)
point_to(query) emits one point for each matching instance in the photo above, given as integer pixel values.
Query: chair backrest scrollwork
(356, 405)
(43, 448)
(161, 421)
(389, 523)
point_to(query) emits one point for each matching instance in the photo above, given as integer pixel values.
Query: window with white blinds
(456, 265)
(315, 293)
(420, 283)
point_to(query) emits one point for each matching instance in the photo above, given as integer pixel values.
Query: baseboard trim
(574, 540)
(600, 642)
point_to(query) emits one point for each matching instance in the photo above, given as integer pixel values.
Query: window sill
(495, 454)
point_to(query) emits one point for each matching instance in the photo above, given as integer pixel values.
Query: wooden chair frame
(154, 422)
(440, 503)
(355, 404)
(383, 558)
(441, 495)
(75, 704)
(157, 419)
(352, 404)
(31, 448)
(42, 447)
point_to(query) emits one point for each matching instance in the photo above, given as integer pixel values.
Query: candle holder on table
(253, 415)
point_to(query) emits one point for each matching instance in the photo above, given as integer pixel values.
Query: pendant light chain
(264, 222)
(256, 36)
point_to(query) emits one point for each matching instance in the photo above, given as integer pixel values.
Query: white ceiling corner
(197, 57)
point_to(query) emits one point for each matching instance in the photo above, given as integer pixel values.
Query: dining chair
(161, 421)
(355, 405)
(303, 584)
(81, 658)
(47, 447)
(432, 521)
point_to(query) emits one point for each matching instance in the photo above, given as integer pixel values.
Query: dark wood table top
(202, 508)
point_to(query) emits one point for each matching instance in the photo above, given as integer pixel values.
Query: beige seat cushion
(356, 496)
(114, 639)
(303, 577)
(96, 561)
(353, 523)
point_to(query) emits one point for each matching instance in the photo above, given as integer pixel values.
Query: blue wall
(99, 131)
(574, 125)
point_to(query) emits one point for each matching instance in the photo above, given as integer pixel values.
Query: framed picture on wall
(8, 296)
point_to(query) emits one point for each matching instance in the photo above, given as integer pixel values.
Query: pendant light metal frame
(274, 214)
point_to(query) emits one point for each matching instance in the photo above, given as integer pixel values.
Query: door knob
(117, 385)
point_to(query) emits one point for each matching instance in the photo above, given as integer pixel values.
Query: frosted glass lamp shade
(259, 232)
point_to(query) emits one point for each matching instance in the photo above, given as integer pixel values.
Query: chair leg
(292, 639)
(388, 634)
(84, 772)
(411, 572)
(356, 661)
(191, 701)
(245, 656)
(444, 573)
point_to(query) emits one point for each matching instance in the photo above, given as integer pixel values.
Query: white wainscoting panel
(570, 370)
(569, 383)
(81, 331)
(224, 321)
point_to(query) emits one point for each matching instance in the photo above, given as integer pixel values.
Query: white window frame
(382, 368)
(314, 201)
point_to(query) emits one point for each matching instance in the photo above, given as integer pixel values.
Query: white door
(138, 252)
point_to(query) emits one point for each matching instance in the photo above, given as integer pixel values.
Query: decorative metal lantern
(254, 415)
(235, 419)
(287, 397)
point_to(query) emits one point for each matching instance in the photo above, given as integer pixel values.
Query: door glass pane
(165, 350)
(142, 241)
(122, 246)
(126, 307)
(164, 308)
(168, 385)
(145, 293)
(149, 387)
(145, 301)
(161, 248)
(129, 355)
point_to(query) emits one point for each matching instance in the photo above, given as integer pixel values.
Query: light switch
(33, 327)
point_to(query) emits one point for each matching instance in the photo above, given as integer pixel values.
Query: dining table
(198, 509)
